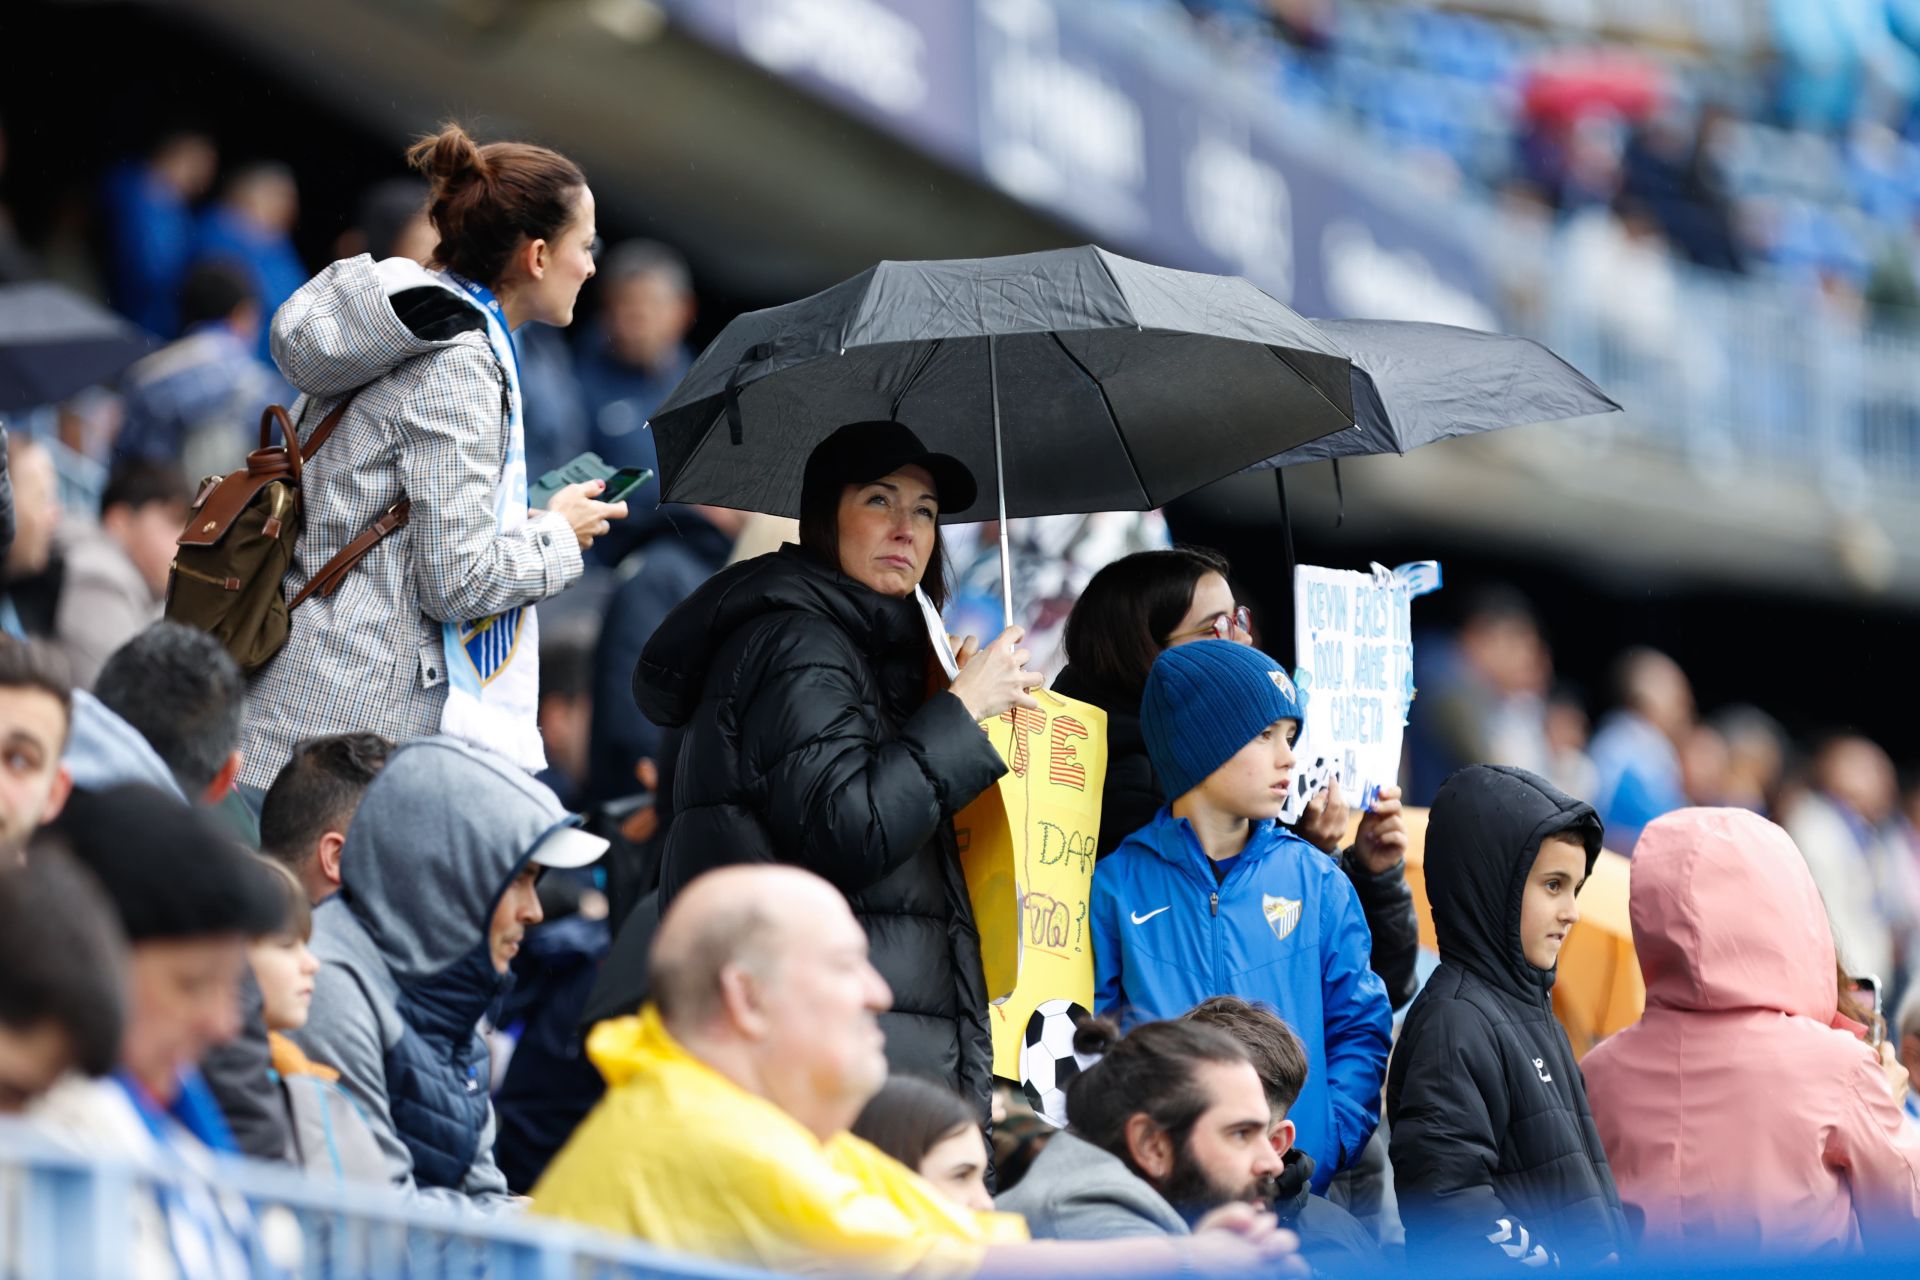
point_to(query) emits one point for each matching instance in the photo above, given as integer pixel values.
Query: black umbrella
(54, 342)
(1089, 381)
(1415, 383)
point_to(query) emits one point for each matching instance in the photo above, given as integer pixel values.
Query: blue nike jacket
(1285, 928)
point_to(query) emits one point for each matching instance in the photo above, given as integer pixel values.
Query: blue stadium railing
(65, 1216)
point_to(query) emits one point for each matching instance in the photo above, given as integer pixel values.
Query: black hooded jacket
(1493, 1143)
(811, 740)
(1132, 795)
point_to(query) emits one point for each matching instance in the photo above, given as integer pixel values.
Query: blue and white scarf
(493, 664)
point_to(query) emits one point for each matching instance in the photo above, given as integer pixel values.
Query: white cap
(567, 847)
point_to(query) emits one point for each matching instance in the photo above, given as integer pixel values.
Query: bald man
(724, 1130)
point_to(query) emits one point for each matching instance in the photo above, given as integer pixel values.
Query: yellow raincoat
(680, 1156)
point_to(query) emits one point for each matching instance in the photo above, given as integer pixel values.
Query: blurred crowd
(313, 1007)
(1793, 158)
(1488, 691)
(201, 256)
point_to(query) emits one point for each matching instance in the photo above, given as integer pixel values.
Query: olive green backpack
(238, 544)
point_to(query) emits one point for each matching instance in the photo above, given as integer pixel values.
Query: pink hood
(1735, 1114)
(1726, 916)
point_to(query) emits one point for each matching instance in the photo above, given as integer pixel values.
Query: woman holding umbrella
(801, 679)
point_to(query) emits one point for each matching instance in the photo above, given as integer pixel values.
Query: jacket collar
(287, 1060)
(1178, 845)
(445, 1008)
(671, 677)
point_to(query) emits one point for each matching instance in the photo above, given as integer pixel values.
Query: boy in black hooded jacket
(1493, 1145)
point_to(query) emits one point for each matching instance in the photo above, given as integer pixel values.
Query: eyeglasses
(1222, 625)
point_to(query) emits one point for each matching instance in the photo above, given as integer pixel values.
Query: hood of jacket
(1483, 832)
(288, 1059)
(342, 329)
(105, 751)
(1726, 916)
(437, 838)
(671, 677)
(624, 1047)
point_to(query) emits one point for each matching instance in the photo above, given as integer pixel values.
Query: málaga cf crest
(490, 645)
(1283, 914)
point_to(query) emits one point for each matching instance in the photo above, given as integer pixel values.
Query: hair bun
(448, 158)
(1094, 1036)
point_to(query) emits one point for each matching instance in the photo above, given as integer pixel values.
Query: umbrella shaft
(1000, 485)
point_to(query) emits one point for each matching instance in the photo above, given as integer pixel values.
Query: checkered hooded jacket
(429, 422)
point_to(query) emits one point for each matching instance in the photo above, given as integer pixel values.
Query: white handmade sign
(1353, 648)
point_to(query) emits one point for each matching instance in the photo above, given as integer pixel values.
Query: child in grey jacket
(326, 1134)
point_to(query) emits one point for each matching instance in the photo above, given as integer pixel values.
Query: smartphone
(621, 481)
(1866, 990)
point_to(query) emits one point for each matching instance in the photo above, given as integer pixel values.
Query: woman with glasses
(434, 630)
(1142, 604)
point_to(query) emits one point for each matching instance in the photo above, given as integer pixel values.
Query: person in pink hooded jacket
(1741, 1111)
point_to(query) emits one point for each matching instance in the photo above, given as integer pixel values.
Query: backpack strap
(334, 572)
(321, 432)
(276, 415)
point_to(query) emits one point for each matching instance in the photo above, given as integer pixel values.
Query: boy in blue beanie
(1214, 897)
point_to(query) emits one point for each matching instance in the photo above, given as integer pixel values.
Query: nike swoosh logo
(1142, 919)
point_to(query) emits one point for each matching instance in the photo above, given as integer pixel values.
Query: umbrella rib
(926, 359)
(1112, 417)
(1279, 354)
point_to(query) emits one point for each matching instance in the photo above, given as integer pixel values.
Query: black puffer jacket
(1493, 1142)
(810, 740)
(1132, 795)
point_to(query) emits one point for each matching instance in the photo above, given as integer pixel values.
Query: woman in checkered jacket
(434, 631)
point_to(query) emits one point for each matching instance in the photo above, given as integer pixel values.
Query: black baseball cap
(863, 451)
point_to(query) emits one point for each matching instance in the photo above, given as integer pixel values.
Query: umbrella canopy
(1414, 383)
(1111, 385)
(54, 342)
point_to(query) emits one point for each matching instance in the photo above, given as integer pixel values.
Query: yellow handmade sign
(1028, 846)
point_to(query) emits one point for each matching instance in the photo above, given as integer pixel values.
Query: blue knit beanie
(1206, 700)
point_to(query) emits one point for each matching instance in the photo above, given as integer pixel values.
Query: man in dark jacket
(1493, 1145)
(811, 740)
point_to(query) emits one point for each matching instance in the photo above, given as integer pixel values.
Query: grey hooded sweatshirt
(428, 422)
(406, 967)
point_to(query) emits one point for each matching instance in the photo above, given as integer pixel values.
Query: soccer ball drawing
(1047, 1058)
